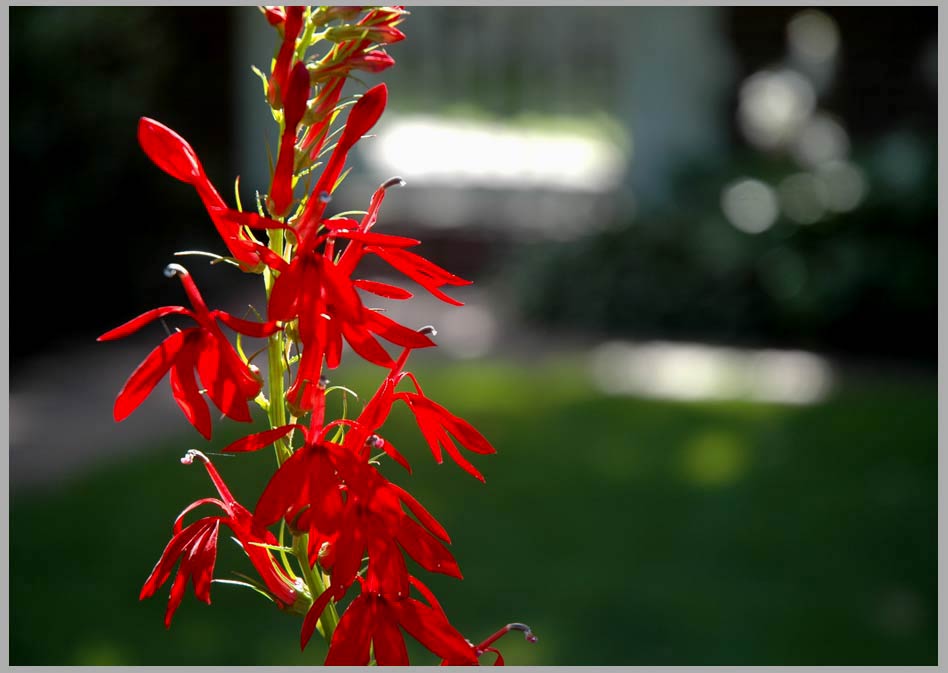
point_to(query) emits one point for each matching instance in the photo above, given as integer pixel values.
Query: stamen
(515, 626)
(393, 182)
(189, 457)
(173, 270)
(428, 330)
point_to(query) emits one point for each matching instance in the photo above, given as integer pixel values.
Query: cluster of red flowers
(351, 526)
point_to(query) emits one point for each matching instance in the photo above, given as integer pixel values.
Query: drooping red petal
(147, 375)
(185, 389)
(282, 490)
(312, 617)
(423, 514)
(394, 454)
(392, 331)
(218, 380)
(389, 643)
(202, 569)
(283, 304)
(382, 289)
(430, 627)
(365, 345)
(247, 327)
(260, 440)
(372, 238)
(426, 549)
(424, 272)
(351, 639)
(162, 570)
(136, 324)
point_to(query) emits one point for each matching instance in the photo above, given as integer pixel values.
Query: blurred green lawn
(624, 531)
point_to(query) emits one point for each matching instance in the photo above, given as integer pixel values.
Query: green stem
(275, 364)
(314, 580)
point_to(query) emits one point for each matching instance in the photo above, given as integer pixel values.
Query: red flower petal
(312, 617)
(247, 327)
(430, 627)
(382, 289)
(186, 393)
(261, 439)
(136, 324)
(426, 549)
(423, 514)
(221, 387)
(147, 375)
(389, 644)
(350, 642)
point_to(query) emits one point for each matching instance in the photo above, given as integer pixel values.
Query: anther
(393, 182)
(375, 442)
(323, 382)
(173, 270)
(428, 330)
(189, 457)
(324, 197)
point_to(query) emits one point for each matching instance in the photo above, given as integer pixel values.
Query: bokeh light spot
(813, 36)
(750, 205)
(714, 458)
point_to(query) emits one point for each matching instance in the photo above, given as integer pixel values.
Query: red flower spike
(196, 546)
(229, 382)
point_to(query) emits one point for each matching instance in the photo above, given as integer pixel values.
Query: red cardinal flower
(436, 423)
(375, 617)
(172, 154)
(228, 381)
(366, 515)
(196, 546)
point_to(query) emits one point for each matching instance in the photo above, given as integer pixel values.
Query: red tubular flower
(294, 106)
(375, 617)
(363, 116)
(436, 423)
(228, 381)
(172, 154)
(292, 24)
(196, 546)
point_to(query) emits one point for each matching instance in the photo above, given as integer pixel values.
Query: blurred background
(701, 334)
